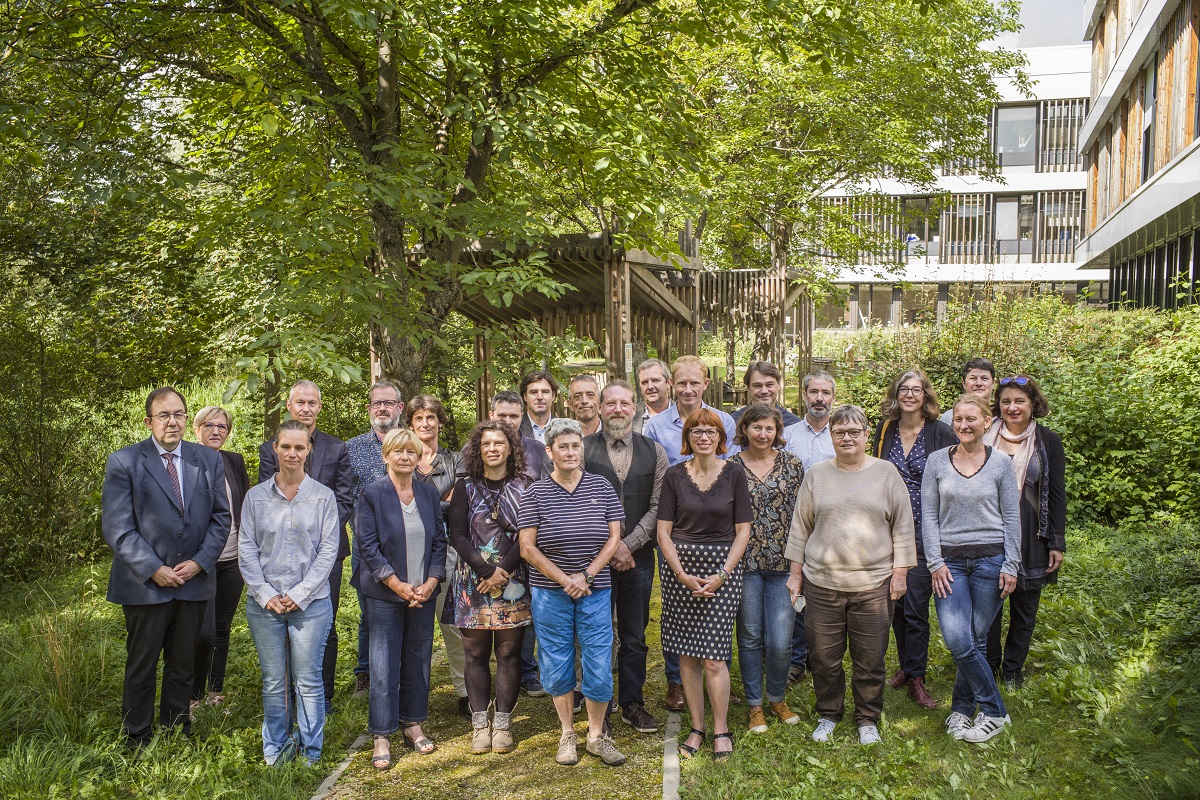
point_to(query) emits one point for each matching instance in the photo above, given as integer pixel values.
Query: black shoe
(579, 702)
(795, 675)
(533, 687)
(464, 707)
(637, 717)
(362, 684)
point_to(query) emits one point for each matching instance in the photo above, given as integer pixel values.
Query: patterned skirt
(701, 627)
(467, 607)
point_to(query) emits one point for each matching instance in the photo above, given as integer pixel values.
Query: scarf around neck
(1026, 440)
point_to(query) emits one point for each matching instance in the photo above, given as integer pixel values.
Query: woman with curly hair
(488, 595)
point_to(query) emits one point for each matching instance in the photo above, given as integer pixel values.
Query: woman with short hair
(287, 547)
(488, 591)
(908, 432)
(570, 528)
(401, 538)
(765, 614)
(971, 525)
(704, 515)
(1039, 464)
(213, 426)
(851, 546)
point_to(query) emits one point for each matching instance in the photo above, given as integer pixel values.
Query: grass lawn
(1111, 708)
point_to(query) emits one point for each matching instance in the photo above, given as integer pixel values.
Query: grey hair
(304, 385)
(654, 362)
(820, 375)
(561, 426)
(382, 385)
(848, 413)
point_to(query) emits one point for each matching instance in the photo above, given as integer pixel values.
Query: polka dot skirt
(701, 627)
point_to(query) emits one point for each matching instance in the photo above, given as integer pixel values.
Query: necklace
(493, 503)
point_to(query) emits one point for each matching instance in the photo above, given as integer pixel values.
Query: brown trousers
(831, 619)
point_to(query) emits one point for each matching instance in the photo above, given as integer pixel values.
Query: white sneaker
(824, 730)
(868, 734)
(983, 730)
(956, 723)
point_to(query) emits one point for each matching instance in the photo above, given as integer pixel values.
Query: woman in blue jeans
(401, 537)
(287, 546)
(971, 527)
(764, 618)
(570, 526)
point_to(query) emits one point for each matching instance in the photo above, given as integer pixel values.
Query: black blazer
(381, 542)
(331, 467)
(937, 436)
(238, 480)
(146, 529)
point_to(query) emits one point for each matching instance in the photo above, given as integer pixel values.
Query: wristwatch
(589, 577)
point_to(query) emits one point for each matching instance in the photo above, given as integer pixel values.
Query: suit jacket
(331, 467)
(537, 463)
(381, 542)
(238, 480)
(146, 529)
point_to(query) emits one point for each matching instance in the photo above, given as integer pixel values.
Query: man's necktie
(169, 462)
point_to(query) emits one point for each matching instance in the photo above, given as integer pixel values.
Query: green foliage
(1124, 389)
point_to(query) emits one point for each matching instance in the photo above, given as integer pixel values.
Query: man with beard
(810, 441)
(634, 465)
(384, 408)
(583, 398)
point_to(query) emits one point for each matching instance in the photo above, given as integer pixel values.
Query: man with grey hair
(654, 383)
(583, 398)
(385, 409)
(810, 441)
(328, 462)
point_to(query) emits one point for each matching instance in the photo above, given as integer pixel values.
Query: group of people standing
(535, 549)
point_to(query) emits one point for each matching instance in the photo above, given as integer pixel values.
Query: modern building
(1142, 141)
(974, 237)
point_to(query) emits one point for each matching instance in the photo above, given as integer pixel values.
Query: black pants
(212, 645)
(170, 629)
(329, 664)
(631, 599)
(910, 621)
(1022, 618)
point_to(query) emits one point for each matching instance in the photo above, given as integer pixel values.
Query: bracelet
(723, 574)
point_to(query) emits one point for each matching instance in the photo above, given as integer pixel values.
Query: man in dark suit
(329, 464)
(538, 391)
(165, 514)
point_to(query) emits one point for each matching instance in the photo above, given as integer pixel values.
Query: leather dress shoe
(919, 694)
(898, 679)
(675, 700)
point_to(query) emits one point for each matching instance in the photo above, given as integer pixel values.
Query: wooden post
(616, 312)
(485, 384)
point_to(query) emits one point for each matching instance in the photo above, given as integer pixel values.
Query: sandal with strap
(686, 751)
(724, 754)
(382, 762)
(424, 745)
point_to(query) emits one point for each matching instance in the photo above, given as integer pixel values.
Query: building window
(922, 226)
(1060, 221)
(1149, 95)
(1016, 135)
(1060, 124)
(967, 230)
(1014, 228)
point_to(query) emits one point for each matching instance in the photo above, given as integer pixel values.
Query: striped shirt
(572, 527)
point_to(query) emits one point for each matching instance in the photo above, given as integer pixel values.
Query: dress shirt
(177, 460)
(539, 431)
(667, 429)
(811, 446)
(620, 453)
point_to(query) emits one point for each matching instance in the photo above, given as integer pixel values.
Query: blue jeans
(363, 667)
(291, 646)
(799, 642)
(559, 621)
(401, 654)
(965, 616)
(764, 628)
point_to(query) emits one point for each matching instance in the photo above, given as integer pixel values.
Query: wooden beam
(652, 286)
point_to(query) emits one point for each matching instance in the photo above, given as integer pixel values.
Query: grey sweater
(983, 509)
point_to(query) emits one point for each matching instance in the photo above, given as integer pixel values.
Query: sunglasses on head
(1019, 380)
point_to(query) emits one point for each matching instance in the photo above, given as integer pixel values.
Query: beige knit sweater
(851, 529)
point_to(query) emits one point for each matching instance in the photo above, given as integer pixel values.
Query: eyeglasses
(703, 433)
(910, 391)
(178, 416)
(1019, 380)
(215, 426)
(848, 433)
(383, 404)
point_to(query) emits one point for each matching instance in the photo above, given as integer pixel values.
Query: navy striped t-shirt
(572, 527)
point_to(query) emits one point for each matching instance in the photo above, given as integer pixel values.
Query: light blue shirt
(809, 445)
(667, 429)
(539, 431)
(177, 460)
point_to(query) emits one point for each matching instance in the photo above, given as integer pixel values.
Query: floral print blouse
(773, 499)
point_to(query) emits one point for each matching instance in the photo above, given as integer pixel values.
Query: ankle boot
(481, 735)
(502, 738)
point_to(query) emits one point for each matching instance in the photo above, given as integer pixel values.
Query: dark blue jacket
(381, 541)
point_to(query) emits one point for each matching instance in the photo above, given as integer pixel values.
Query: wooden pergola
(626, 300)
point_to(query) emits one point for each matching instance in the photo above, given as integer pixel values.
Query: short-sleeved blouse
(773, 499)
(705, 517)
